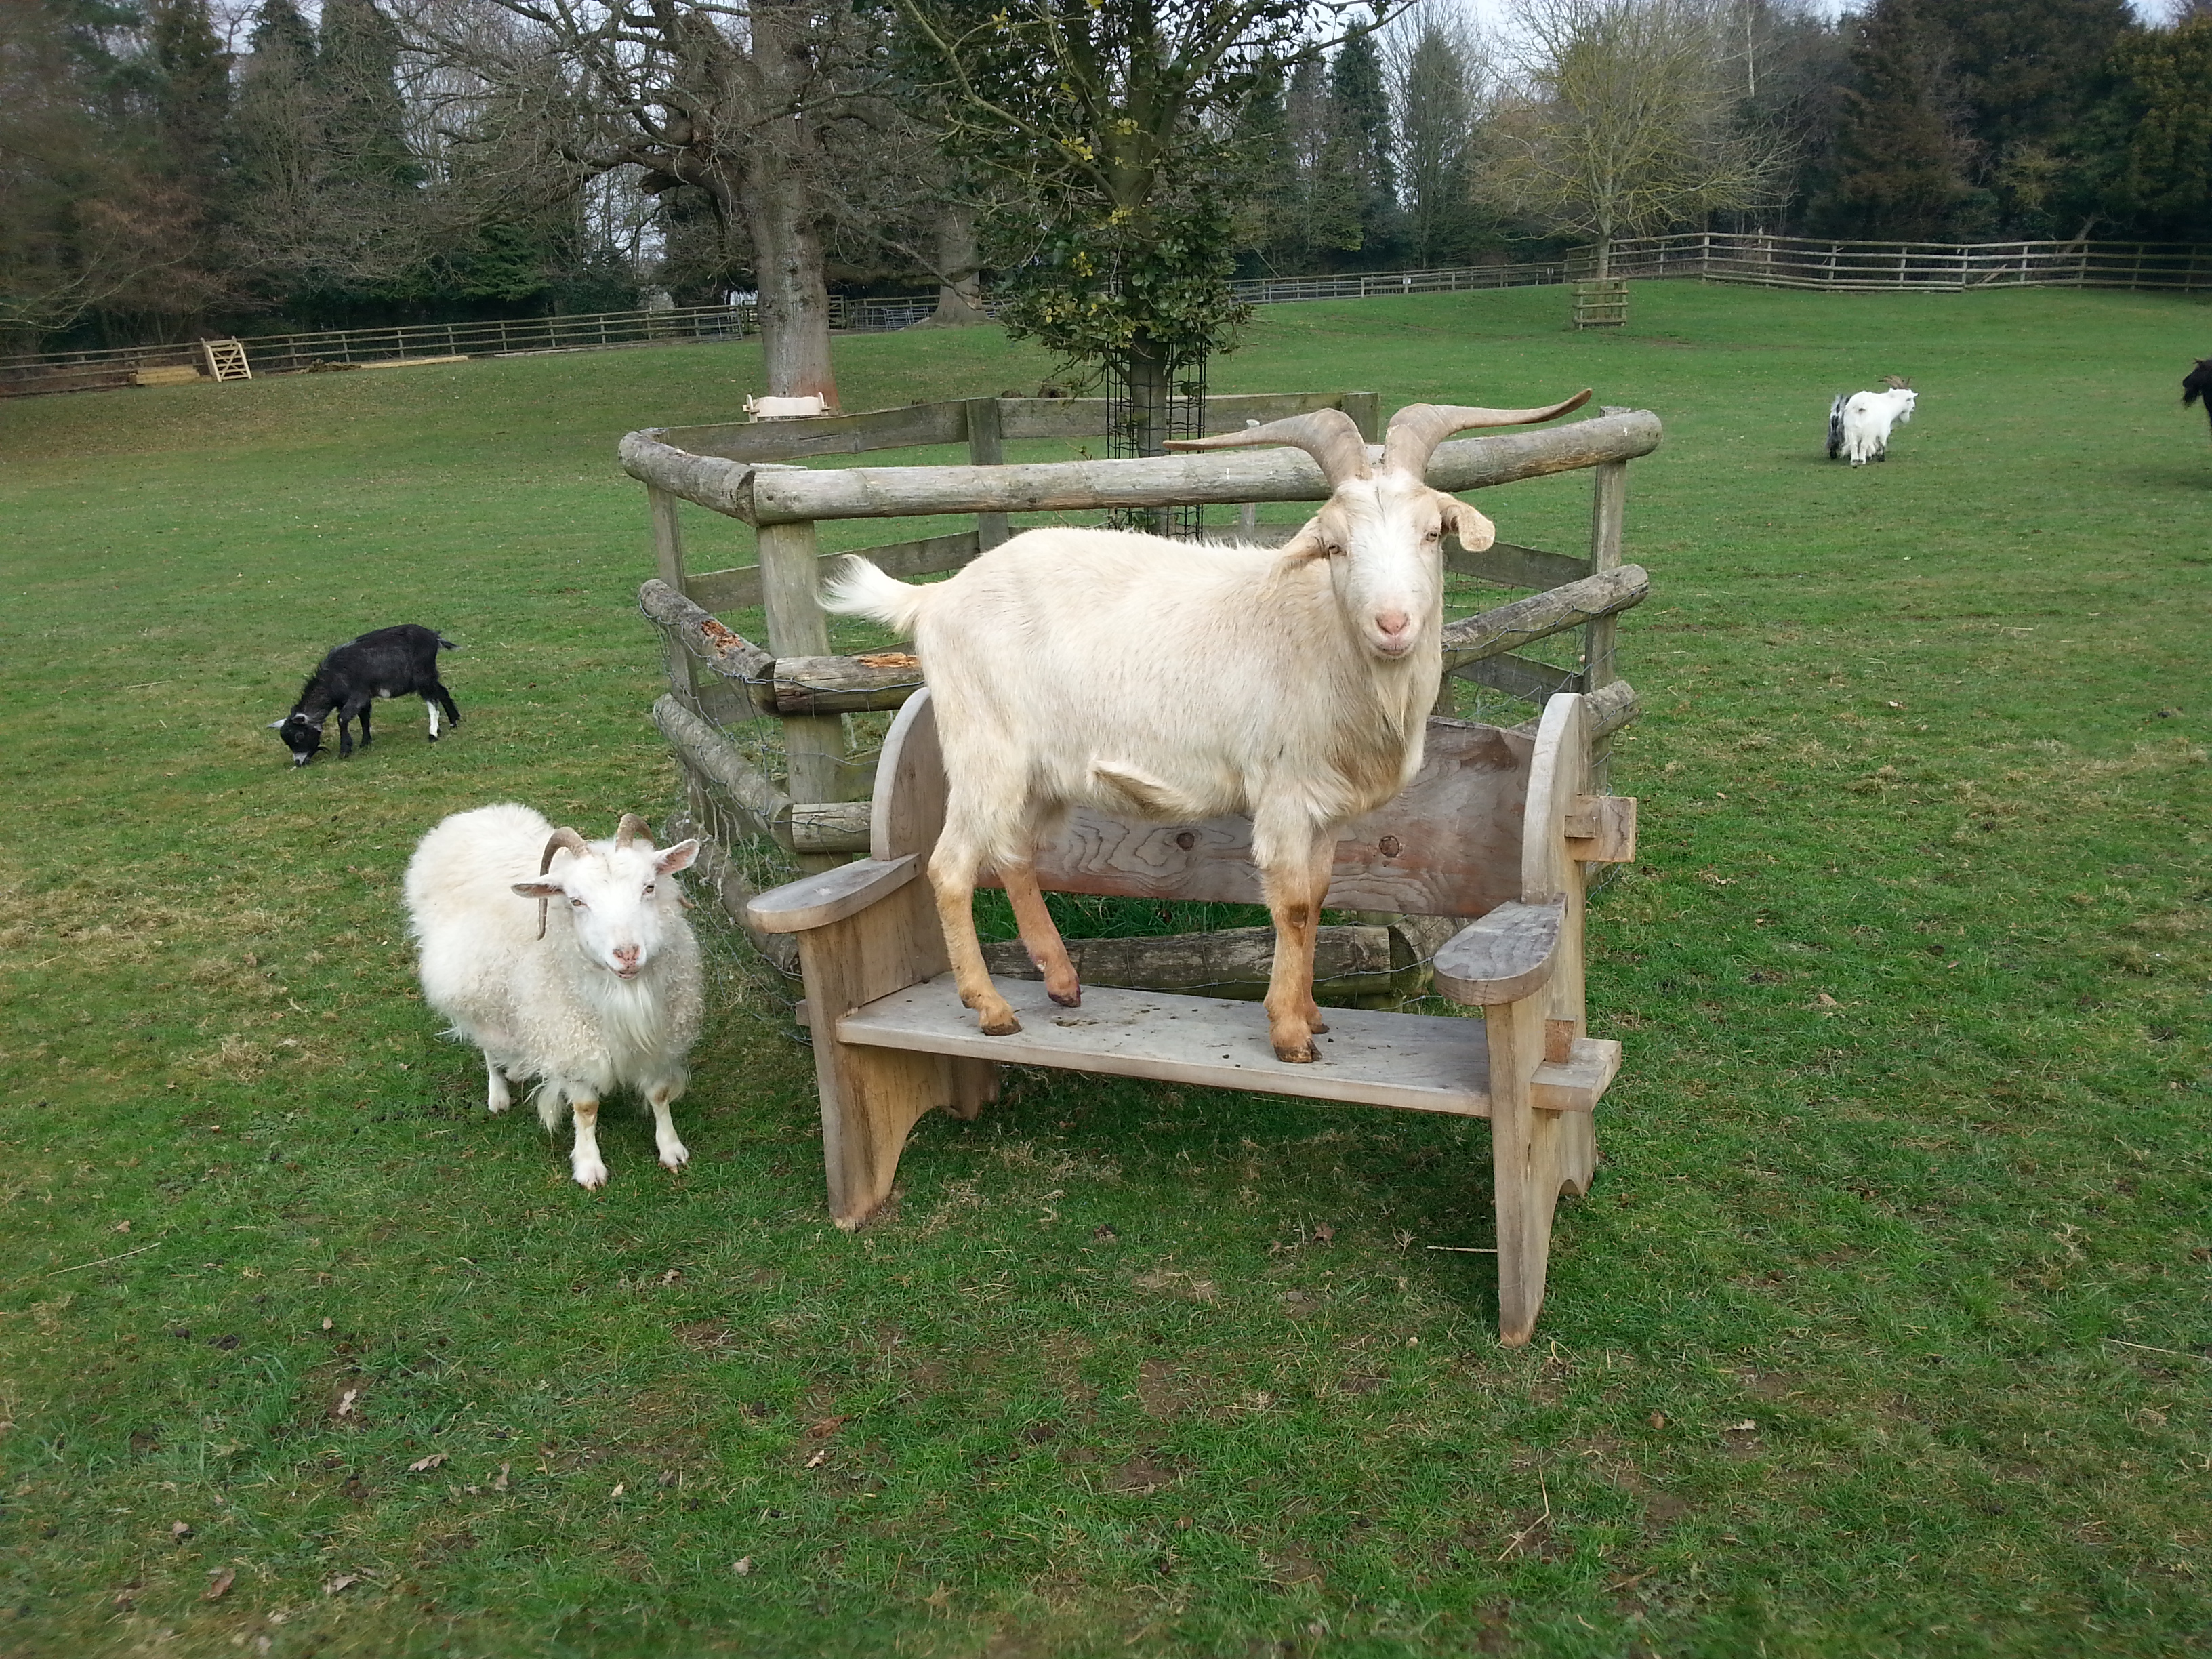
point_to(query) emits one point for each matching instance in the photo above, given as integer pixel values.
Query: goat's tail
(1836, 425)
(857, 588)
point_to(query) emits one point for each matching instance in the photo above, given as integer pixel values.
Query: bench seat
(1421, 1062)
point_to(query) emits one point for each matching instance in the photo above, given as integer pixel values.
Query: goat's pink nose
(626, 955)
(1392, 622)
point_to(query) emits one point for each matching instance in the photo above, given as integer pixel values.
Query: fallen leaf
(818, 1459)
(181, 1530)
(1745, 1427)
(741, 1565)
(219, 1586)
(331, 1587)
(326, 1324)
(621, 1486)
(500, 1485)
(122, 1226)
(345, 1402)
(424, 1465)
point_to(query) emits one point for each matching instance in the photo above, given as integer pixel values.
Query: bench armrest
(830, 895)
(1504, 956)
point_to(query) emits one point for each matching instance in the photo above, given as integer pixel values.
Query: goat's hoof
(1317, 1028)
(1299, 1056)
(590, 1176)
(1067, 999)
(1006, 1027)
(676, 1156)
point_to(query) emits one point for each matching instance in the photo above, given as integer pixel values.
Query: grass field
(1887, 1327)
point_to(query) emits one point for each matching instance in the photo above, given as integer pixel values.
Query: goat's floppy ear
(1309, 543)
(677, 857)
(1474, 530)
(540, 889)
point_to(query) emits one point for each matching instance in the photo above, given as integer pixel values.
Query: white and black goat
(1859, 423)
(391, 662)
(2197, 384)
(1174, 680)
(565, 961)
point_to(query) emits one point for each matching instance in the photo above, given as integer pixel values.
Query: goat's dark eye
(576, 904)
(1333, 551)
(648, 890)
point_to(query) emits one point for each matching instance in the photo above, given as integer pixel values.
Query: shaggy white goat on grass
(1174, 680)
(565, 961)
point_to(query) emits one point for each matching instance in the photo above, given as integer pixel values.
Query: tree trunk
(794, 302)
(1144, 427)
(959, 270)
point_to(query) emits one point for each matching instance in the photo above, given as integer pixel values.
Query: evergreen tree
(356, 71)
(1898, 154)
(1326, 207)
(192, 94)
(1436, 121)
(1359, 107)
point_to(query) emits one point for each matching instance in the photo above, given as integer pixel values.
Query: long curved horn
(1417, 428)
(560, 838)
(630, 828)
(1329, 436)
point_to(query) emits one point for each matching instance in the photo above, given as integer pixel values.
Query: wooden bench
(1497, 826)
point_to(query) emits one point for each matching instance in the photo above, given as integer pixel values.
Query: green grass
(1884, 1329)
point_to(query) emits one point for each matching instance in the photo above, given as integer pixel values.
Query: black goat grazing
(2198, 384)
(391, 662)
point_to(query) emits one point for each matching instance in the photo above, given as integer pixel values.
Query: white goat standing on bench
(1175, 681)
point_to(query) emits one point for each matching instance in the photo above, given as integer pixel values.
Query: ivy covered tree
(1116, 130)
(2166, 185)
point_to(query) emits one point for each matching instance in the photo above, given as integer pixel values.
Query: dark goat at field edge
(2198, 384)
(391, 662)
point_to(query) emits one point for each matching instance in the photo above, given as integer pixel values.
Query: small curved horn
(631, 828)
(1329, 436)
(560, 838)
(1417, 428)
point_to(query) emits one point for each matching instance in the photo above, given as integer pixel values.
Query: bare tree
(1437, 65)
(764, 106)
(1624, 121)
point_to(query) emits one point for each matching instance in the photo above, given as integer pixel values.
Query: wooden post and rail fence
(817, 811)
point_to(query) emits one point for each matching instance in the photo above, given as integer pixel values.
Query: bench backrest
(1450, 844)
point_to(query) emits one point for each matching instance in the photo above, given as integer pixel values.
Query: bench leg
(1535, 1156)
(871, 1098)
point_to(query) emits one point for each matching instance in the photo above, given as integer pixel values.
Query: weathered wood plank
(830, 826)
(828, 896)
(1601, 828)
(729, 654)
(779, 496)
(1514, 567)
(1503, 957)
(714, 757)
(1350, 962)
(845, 685)
(1449, 844)
(1509, 627)
(1427, 1063)
(1519, 677)
(706, 480)
(830, 434)
(986, 447)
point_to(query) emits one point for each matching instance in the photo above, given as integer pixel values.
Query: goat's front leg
(496, 1096)
(584, 1160)
(674, 1154)
(953, 869)
(1294, 896)
(1039, 937)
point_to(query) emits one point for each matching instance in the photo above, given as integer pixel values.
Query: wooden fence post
(668, 565)
(985, 448)
(813, 745)
(1608, 508)
(1366, 409)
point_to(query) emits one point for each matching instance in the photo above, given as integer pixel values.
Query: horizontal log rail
(764, 495)
(1509, 627)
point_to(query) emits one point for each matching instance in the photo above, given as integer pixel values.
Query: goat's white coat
(1174, 680)
(1868, 418)
(557, 1010)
